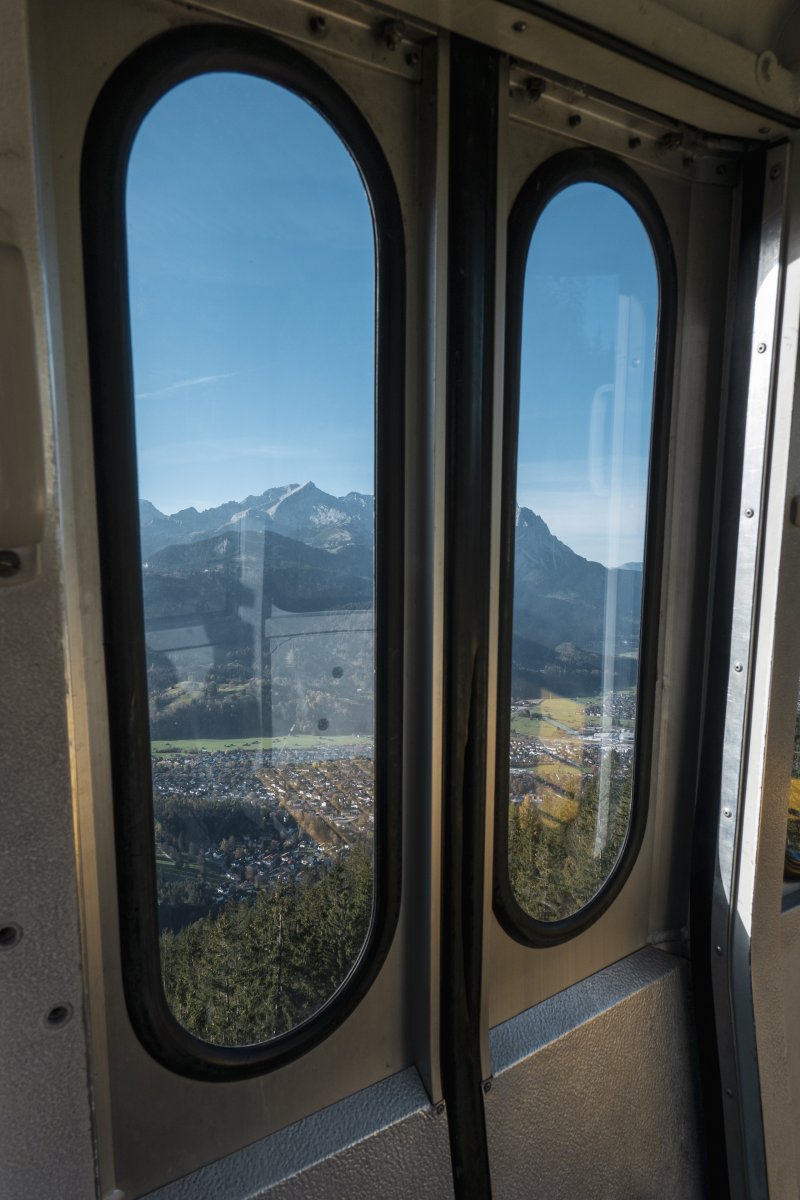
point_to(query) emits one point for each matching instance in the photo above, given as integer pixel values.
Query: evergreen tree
(556, 872)
(257, 969)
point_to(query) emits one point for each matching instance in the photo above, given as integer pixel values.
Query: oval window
(251, 254)
(586, 380)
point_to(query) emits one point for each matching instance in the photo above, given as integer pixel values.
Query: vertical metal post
(470, 403)
(729, 927)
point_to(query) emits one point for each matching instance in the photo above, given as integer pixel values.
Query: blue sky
(251, 267)
(588, 353)
(252, 282)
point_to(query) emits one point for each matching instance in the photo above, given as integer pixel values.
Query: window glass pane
(586, 399)
(252, 298)
(793, 829)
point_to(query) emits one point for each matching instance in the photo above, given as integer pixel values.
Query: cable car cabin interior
(399, 507)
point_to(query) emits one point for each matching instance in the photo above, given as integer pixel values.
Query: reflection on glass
(793, 828)
(586, 398)
(251, 265)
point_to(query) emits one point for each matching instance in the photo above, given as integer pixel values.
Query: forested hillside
(259, 968)
(554, 871)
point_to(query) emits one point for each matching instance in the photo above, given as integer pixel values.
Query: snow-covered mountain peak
(301, 511)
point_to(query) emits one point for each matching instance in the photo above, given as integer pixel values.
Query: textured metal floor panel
(595, 1091)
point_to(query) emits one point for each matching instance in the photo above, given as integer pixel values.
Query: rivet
(775, 171)
(761, 347)
(764, 130)
(728, 1091)
(737, 666)
(487, 1085)
(318, 25)
(439, 1109)
(58, 1016)
(10, 935)
(749, 512)
(10, 563)
(718, 949)
(520, 26)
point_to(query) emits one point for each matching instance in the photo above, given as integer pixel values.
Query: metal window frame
(129, 95)
(477, 75)
(554, 175)
(635, 52)
(738, 865)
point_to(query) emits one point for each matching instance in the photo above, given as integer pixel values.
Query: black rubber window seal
(583, 165)
(125, 100)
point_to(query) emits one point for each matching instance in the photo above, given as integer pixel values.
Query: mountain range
(312, 550)
(340, 525)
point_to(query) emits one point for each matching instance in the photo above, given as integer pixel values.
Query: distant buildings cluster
(287, 816)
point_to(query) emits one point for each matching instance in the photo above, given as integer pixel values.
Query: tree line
(554, 872)
(258, 968)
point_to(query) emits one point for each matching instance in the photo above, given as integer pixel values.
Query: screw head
(726, 812)
(749, 512)
(10, 563)
(775, 171)
(318, 25)
(392, 32)
(487, 1085)
(737, 666)
(439, 1109)
(574, 120)
(520, 26)
(634, 143)
(761, 347)
(718, 949)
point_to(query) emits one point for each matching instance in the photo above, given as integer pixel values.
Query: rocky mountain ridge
(300, 511)
(314, 550)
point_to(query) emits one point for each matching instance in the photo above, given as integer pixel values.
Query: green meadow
(303, 741)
